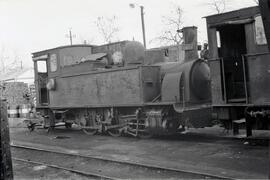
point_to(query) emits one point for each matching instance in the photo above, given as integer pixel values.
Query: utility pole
(132, 5)
(70, 36)
(143, 28)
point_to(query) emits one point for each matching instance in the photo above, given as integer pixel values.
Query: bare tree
(107, 27)
(219, 6)
(9, 60)
(173, 23)
(2, 59)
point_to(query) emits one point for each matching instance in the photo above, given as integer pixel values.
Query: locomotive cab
(48, 69)
(239, 64)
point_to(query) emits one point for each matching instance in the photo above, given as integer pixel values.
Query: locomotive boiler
(117, 88)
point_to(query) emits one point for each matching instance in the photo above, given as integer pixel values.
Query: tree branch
(169, 35)
(107, 28)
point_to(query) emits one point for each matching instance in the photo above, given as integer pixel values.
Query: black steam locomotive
(121, 88)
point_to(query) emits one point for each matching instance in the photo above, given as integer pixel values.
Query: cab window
(53, 62)
(259, 31)
(42, 66)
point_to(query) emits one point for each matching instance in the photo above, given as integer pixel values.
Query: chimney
(190, 45)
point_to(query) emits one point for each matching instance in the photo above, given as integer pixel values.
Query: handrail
(223, 80)
(245, 77)
(256, 54)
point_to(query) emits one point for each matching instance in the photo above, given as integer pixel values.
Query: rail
(126, 169)
(83, 173)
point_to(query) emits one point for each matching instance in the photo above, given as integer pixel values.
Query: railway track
(101, 168)
(85, 174)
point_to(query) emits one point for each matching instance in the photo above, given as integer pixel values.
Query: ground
(208, 150)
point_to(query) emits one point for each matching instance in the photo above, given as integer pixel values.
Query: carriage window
(259, 31)
(53, 62)
(42, 66)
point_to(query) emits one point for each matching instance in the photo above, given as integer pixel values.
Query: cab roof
(62, 47)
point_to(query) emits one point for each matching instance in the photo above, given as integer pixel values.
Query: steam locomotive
(121, 88)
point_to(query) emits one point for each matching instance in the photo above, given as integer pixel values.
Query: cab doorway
(232, 50)
(42, 78)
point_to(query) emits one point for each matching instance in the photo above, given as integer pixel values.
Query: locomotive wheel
(145, 134)
(50, 128)
(90, 131)
(68, 125)
(115, 132)
(31, 127)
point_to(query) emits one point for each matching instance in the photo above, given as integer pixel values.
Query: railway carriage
(240, 66)
(114, 88)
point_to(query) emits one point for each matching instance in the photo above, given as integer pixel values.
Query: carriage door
(42, 79)
(232, 48)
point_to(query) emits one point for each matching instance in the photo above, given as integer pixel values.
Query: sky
(27, 26)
